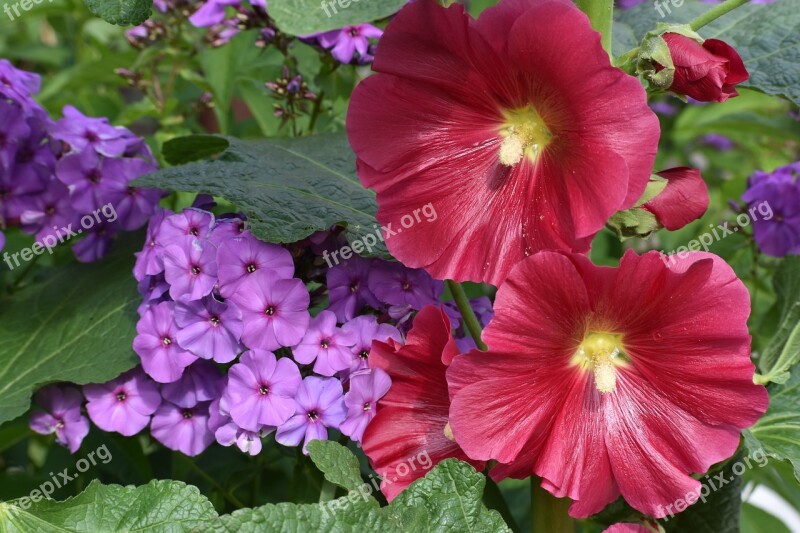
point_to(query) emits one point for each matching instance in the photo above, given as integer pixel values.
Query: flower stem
(467, 313)
(601, 15)
(548, 513)
(327, 492)
(713, 14)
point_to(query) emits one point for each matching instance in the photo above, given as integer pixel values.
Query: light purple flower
(319, 406)
(346, 42)
(325, 345)
(394, 284)
(209, 329)
(124, 404)
(248, 442)
(62, 416)
(17, 84)
(366, 388)
(212, 12)
(227, 228)
(49, 212)
(349, 288)
(133, 205)
(199, 383)
(82, 132)
(366, 329)
(190, 268)
(85, 173)
(275, 311)
(241, 257)
(154, 290)
(156, 344)
(182, 429)
(95, 243)
(261, 389)
(191, 224)
(150, 261)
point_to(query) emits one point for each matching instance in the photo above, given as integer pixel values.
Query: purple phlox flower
(18, 85)
(199, 383)
(325, 242)
(717, 141)
(366, 329)
(344, 43)
(248, 442)
(366, 388)
(241, 257)
(191, 223)
(48, 213)
(156, 344)
(133, 205)
(183, 429)
(211, 12)
(216, 416)
(86, 175)
(82, 132)
(150, 261)
(325, 345)
(394, 284)
(667, 109)
(227, 228)
(94, 246)
(154, 290)
(348, 285)
(204, 202)
(209, 329)
(261, 390)
(14, 130)
(775, 201)
(191, 269)
(61, 415)
(275, 311)
(319, 406)
(124, 404)
(465, 344)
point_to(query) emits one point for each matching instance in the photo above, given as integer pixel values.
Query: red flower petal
(684, 199)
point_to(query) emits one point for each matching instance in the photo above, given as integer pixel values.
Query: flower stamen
(600, 353)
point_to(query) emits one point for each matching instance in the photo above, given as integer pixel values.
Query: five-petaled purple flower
(366, 388)
(62, 416)
(190, 268)
(241, 257)
(156, 344)
(366, 329)
(325, 345)
(209, 329)
(320, 405)
(123, 404)
(183, 429)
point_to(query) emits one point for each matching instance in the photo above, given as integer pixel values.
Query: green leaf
(121, 12)
(158, 507)
(75, 326)
(288, 188)
(719, 513)
(757, 520)
(304, 17)
(766, 36)
(338, 464)
(778, 431)
(191, 148)
(783, 351)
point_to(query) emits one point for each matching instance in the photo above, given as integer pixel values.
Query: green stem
(467, 313)
(601, 15)
(715, 13)
(548, 513)
(327, 492)
(493, 499)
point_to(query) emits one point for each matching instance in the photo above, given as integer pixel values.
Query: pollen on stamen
(512, 149)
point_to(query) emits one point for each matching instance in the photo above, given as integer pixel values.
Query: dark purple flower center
(187, 414)
(59, 423)
(363, 354)
(166, 341)
(94, 176)
(354, 287)
(354, 32)
(263, 390)
(270, 310)
(91, 136)
(215, 321)
(193, 230)
(121, 396)
(325, 343)
(251, 268)
(196, 270)
(367, 406)
(313, 416)
(49, 210)
(406, 286)
(24, 155)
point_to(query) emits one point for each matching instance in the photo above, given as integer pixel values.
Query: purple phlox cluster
(773, 198)
(60, 180)
(483, 310)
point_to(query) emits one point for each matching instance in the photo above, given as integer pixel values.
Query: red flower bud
(684, 199)
(707, 72)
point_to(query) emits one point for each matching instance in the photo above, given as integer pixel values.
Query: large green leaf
(158, 507)
(121, 12)
(288, 188)
(447, 499)
(766, 36)
(783, 351)
(304, 17)
(76, 326)
(757, 520)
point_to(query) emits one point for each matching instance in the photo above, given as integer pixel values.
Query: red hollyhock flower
(515, 127)
(684, 199)
(608, 381)
(707, 72)
(410, 433)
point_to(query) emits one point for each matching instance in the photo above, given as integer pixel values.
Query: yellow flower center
(601, 353)
(524, 134)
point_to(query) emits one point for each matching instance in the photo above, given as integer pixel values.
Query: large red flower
(608, 381)
(515, 127)
(410, 434)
